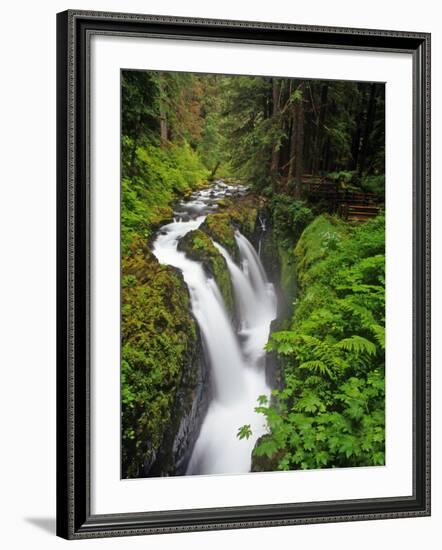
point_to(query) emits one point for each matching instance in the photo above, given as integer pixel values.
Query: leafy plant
(330, 410)
(290, 217)
(245, 432)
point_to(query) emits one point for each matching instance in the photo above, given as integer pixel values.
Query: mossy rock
(222, 203)
(161, 215)
(243, 215)
(265, 463)
(236, 214)
(320, 237)
(199, 247)
(219, 227)
(159, 338)
(287, 276)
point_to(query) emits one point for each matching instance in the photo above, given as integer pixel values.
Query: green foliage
(290, 217)
(244, 432)
(330, 410)
(159, 339)
(374, 184)
(321, 237)
(346, 178)
(251, 131)
(352, 180)
(158, 175)
(159, 336)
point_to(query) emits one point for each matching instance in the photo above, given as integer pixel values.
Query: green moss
(161, 215)
(198, 246)
(318, 238)
(219, 227)
(236, 214)
(159, 337)
(287, 271)
(243, 215)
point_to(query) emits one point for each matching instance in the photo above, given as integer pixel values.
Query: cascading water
(262, 223)
(236, 360)
(254, 296)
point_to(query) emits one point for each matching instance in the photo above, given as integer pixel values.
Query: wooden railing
(352, 205)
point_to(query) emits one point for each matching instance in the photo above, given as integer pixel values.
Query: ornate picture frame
(75, 517)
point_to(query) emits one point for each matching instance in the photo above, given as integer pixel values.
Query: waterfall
(254, 296)
(251, 263)
(262, 223)
(243, 290)
(209, 310)
(236, 359)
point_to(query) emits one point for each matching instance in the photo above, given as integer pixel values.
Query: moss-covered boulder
(160, 216)
(243, 214)
(162, 365)
(199, 247)
(239, 214)
(318, 239)
(263, 462)
(220, 228)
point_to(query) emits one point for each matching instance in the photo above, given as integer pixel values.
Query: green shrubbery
(149, 185)
(160, 342)
(330, 412)
(289, 218)
(374, 184)
(371, 183)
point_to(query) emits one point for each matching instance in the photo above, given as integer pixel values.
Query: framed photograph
(243, 274)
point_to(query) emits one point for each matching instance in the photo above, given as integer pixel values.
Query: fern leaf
(357, 344)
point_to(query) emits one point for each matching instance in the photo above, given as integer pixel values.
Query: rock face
(241, 214)
(199, 247)
(164, 373)
(189, 408)
(265, 463)
(219, 227)
(262, 237)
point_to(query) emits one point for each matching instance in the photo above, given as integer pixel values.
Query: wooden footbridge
(356, 206)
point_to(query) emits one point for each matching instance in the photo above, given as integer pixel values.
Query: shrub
(330, 411)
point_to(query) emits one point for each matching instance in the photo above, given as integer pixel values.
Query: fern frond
(357, 344)
(379, 333)
(316, 366)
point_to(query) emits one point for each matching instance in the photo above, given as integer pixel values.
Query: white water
(236, 360)
(254, 298)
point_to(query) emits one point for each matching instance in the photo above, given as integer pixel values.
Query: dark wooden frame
(74, 520)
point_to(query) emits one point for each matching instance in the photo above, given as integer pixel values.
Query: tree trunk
(215, 168)
(299, 144)
(163, 117)
(275, 151)
(356, 142)
(292, 153)
(368, 128)
(319, 141)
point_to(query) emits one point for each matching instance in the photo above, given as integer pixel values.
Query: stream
(235, 354)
